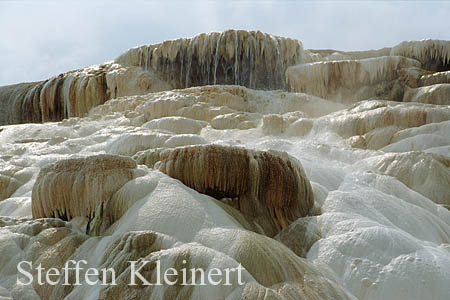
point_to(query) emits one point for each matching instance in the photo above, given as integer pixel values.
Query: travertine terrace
(322, 174)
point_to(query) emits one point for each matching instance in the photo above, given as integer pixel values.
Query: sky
(40, 39)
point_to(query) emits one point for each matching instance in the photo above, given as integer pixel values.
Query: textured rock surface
(75, 187)
(348, 81)
(378, 171)
(273, 267)
(48, 242)
(372, 124)
(74, 93)
(425, 173)
(432, 94)
(249, 58)
(300, 235)
(269, 188)
(433, 54)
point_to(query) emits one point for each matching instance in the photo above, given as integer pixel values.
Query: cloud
(43, 38)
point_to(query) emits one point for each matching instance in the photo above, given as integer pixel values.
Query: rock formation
(300, 235)
(48, 242)
(271, 268)
(432, 94)
(425, 173)
(177, 125)
(372, 124)
(434, 55)
(353, 76)
(315, 199)
(248, 58)
(348, 81)
(75, 187)
(74, 93)
(269, 188)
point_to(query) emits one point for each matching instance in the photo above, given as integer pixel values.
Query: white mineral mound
(315, 199)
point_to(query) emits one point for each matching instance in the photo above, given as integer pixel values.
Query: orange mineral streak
(75, 187)
(269, 188)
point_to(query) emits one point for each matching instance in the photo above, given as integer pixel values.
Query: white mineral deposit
(230, 165)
